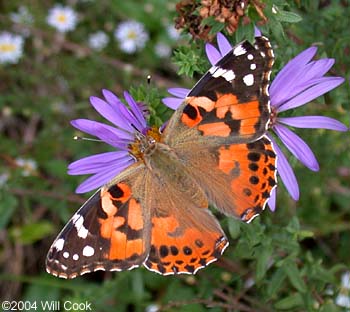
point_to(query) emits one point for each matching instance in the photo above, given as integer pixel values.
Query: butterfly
(212, 151)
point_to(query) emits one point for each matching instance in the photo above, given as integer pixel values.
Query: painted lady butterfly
(213, 150)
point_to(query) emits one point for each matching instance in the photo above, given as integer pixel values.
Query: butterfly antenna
(148, 92)
(76, 137)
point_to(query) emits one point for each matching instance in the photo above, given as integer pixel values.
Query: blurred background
(54, 55)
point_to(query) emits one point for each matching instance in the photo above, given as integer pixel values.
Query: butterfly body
(156, 212)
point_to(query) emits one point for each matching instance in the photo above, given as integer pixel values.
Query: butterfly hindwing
(185, 236)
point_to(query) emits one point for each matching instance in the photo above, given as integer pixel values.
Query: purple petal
(257, 32)
(285, 171)
(126, 119)
(106, 133)
(213, 54)
(325, 84)
(297, 147)
(314, 122)
(289, 76)
(111, 98)
(179, 92)
(106, 111)
(100, 178)
(317, 69)
(111, 113)
(136, 111)
(172, 103)
(224, 45)
(98, 162)
(272, 200)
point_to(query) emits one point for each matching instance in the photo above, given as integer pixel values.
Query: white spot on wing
(248, 80)
(66, 254)
(219, 72)
(75, 257)
(88, 251)
(229, 75)
(78, 221)
(252, 66)
(250, 56)
(213, 69)
(59, 244)
(239, 50)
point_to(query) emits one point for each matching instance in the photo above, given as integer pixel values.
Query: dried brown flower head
(193, 12)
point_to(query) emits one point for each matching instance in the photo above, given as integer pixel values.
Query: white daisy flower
(131, 36)
(98, 40)
(29, 166)
(162, 50)
(11, 47)
(63, 18)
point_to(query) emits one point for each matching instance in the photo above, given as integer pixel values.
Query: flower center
(144, 143)
(132, 35)
(7, 47)
(61, 18)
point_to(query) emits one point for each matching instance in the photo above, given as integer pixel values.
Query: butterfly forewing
(230, 103)
(111, 231)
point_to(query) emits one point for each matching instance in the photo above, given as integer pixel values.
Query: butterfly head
(144, 143)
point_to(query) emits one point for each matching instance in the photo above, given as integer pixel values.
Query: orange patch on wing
(202, 101)
(135, 219)
(226, 100)
(215, 129)
(196, 117)
(245, 110)
(226, 161)
(247, 126)
(107, 206)
(135, 246)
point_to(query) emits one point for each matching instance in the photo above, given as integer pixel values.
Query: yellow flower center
(140, 145)
(62, 18)
(7, 47)
(132, 35)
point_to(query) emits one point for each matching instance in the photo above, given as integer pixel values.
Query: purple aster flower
(299, 82)
(128, 122)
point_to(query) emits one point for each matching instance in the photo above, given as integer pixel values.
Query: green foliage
(189, 60)
(289, 260)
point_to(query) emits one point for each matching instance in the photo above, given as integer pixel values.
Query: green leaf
(32, 232)
(276, 282)
(189, 60)
(234, 227)
(290, 302)
(294, 275)
(262, 261)
(245, 32)
(288, 17)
